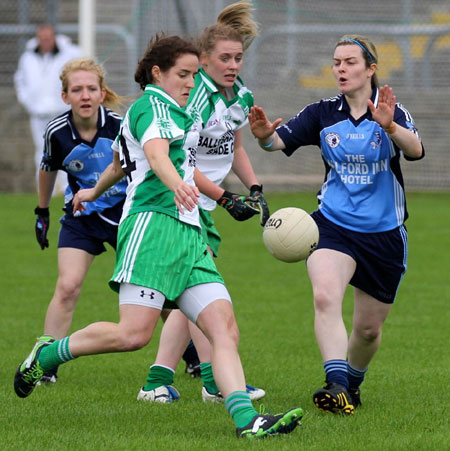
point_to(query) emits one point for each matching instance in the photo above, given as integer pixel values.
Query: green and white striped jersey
(217, 118)
(156, 115)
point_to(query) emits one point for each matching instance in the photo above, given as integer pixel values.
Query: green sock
(157, 376)
(53, 355)
(240, 408)
(208, 378)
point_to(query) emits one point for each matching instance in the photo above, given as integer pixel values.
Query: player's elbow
(415, 151)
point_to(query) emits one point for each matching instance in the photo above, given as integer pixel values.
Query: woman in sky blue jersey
(79, 143)
(161, 254)
(362, 134)
(219, 105)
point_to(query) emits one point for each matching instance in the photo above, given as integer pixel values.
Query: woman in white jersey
(361, 133)
(219, 105)
(161, 254)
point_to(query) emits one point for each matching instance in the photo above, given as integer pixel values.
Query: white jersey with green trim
(217, 118)
(156, 115)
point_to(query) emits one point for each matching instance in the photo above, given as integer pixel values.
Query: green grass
(93, 406)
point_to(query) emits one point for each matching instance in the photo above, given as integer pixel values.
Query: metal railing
(400, 33)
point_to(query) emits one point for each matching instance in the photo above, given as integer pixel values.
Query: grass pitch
(93, 405)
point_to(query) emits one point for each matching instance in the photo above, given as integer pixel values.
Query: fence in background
(287, 67)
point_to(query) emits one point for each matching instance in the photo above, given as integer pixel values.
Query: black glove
(257, 194)
(42, 226)
(239, 206)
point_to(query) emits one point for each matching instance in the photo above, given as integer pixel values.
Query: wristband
(269, 145)
(256, 188)
(226, 196)
(391, 128)
(41, 211)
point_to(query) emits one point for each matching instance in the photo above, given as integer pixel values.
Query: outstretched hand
(384, 112)
(260, 126)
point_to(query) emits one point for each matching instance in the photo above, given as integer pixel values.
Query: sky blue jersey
(363, 189)
(84, 161)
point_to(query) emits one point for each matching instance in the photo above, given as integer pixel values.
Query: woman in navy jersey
(362, 134)
(79, 143)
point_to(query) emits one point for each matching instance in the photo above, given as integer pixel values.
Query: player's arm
(42, 212)
(264, 130)
(157, 153)
(383, 113)
(242, 165)
(406, 140)
(47, 181)
(206, 186)
(240, 207)
(110, 176)
(243, 168)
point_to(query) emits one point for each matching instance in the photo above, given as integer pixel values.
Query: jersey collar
(211, 85)
(161, 94)
(101, 121)
(343, 105)
(208, 81)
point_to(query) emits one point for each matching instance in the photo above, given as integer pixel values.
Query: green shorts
(209, 231)
(157, 251)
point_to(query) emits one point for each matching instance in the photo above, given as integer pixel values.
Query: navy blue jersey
(85, 161)
(363, 188)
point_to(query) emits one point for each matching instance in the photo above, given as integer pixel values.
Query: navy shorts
(88, 233)
(380, 257)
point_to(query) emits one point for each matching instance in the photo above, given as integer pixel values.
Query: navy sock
(190, 354)
(355, 376)
(336, 372)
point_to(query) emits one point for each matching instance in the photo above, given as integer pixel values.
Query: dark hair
(163, 52)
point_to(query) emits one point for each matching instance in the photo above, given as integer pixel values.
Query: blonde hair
(112, 99)
(234, 23)
(368, 51)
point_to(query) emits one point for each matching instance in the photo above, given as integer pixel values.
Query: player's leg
(368, 318)
(73, 265)
(210, 391)
(134, 330)
(330, 272)
(209, 306)
(218, 324)
(172, 343)
(381, 267)
(190, 357)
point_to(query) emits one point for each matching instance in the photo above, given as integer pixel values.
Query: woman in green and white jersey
(161, 254)
(219, 105)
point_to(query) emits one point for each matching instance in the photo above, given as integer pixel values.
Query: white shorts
(191, 302)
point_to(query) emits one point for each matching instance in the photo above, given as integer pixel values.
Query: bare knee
(233, 332)
(227, 336)
(368, 332)
(67, 292)
(223, 332)
(323, 299)
(132, 340)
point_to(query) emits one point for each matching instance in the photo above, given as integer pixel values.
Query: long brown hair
(163, 52)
